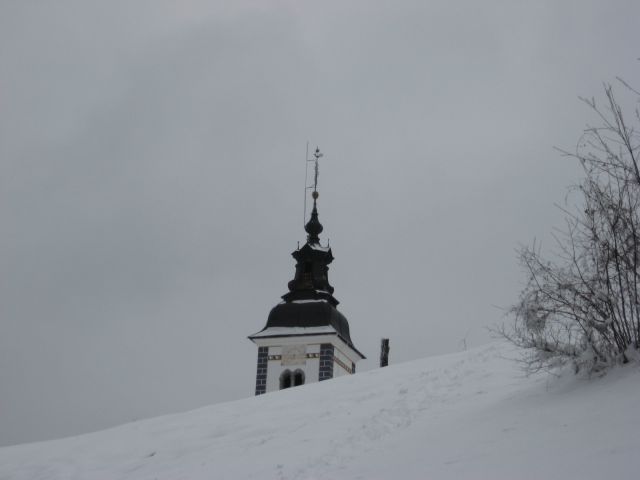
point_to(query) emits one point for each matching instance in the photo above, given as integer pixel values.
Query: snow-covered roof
(308, 300)
(286, 331)
(317, 246)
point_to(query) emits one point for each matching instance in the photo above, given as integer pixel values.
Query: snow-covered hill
(462, 416)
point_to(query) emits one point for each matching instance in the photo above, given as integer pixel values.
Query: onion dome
(313, 226)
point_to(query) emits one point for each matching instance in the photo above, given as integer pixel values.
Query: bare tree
(584, 306)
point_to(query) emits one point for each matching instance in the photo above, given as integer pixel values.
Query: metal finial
(317, 156)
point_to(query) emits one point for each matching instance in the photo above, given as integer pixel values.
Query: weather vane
(316, 156)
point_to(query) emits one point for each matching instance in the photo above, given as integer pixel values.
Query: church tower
(306, 339)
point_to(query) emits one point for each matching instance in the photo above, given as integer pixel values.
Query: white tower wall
(317, 356)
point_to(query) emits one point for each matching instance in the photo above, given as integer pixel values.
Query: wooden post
(384, 352)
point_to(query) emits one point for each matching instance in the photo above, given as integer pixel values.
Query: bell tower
(306, 339)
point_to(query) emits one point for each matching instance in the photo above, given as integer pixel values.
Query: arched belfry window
(291, 379)
(285, 379)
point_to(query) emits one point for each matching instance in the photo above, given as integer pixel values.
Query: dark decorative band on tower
(326, 361)
(261, 373)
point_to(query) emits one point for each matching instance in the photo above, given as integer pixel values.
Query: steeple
(311, 280)
(306, 338)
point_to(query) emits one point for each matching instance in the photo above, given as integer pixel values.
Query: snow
(308, 300)
(278, 331)
(470, 415)
(316, 246)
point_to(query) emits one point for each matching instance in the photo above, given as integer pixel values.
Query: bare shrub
(583, 306)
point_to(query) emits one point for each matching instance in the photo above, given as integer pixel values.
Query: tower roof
(306, 317)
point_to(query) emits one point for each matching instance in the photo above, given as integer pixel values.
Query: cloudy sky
(152, 178)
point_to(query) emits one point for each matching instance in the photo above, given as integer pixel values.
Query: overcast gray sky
(152, 167)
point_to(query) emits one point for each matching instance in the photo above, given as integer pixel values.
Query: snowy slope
(462, 416)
